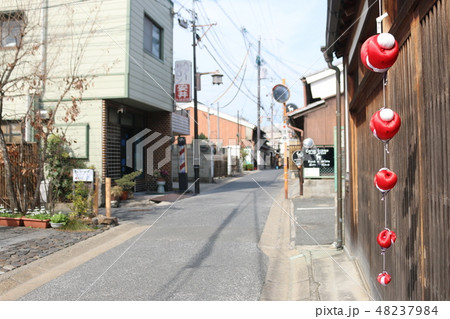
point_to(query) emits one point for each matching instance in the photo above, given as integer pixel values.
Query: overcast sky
(291, 33)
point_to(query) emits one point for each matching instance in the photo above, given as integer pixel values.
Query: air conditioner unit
(44, 114)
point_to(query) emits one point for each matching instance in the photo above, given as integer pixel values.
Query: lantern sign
(281, 93)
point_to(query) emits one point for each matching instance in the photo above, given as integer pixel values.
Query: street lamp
(217, 78)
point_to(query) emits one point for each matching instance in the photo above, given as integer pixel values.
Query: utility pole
(285, 160)
(271, 123)
(211, 157)
(238, 135)
(196, 147)
(218, 125)
(258, 129)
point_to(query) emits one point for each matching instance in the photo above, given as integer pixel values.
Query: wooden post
(108, 196)
(95, 208)
(300, 178)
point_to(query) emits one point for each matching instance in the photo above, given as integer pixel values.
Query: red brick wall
(228, 130)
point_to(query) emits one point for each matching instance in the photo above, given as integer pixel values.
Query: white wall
(151, 79)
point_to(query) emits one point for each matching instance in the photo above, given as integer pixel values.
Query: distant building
(317, 120)
(228, 130)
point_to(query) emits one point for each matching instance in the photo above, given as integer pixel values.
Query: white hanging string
(385, 148)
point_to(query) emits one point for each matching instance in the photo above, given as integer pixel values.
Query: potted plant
(160, 176)
(58, 220)
(116, 192)
(8, 218)
(127, 183)
(37, 219)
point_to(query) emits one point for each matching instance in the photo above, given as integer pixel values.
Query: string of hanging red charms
(378, 54)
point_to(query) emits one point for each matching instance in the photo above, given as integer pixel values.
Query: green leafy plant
(42, 216)
(59, 218)
(10, 215)
(81, 199)
(243, 153)
(127, 181)
(249, 167)
(59, 166)
(160, 173)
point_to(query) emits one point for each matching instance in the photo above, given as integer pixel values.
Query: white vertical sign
(183, 81)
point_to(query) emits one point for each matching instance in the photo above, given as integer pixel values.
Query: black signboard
(322, 157)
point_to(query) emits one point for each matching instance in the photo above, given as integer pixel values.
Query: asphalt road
(201, 248)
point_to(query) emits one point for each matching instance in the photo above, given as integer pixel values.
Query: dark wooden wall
(24, 162)
(418, 207)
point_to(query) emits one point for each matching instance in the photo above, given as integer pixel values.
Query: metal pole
(218, 125)
(285, 161)
(211, 157)
(339, 240)
(271, 123)
(44, 35)
(258, 130)
(195, 144)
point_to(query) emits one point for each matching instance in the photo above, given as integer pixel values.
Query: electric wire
(234, 80)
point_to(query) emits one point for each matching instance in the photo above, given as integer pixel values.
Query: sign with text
(319, 157)
(183, 81)
(83, 175)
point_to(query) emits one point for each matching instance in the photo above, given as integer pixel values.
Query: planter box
(11, 221)
(36, 223)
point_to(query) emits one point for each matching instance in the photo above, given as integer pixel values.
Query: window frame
(12, 131)
(150, 42)
(16, 18)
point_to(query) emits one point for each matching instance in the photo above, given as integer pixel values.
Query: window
(153, 35)
(10, 29)
(11, 131)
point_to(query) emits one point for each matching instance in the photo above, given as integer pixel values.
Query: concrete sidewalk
(306, 272)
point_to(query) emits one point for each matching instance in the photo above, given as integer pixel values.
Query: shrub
(81, 201)
(127, 181)
(59, 166)
(249, 167)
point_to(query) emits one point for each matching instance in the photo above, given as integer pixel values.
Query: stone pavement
(20, 246)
